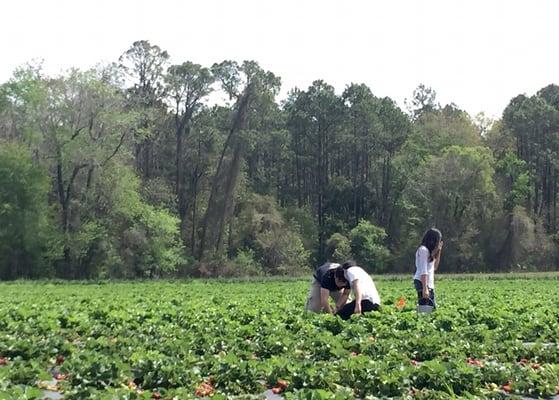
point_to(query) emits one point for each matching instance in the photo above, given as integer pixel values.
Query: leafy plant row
(488, 339)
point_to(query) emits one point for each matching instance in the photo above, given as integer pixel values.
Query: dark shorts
(419, 288)
(366, 306)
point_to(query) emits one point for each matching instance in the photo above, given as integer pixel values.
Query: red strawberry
(280, 387)
(60, 377)
(507, 387)
(204, 390)
(401, 303)
(282, 384)
(156, 395)
(3, 361)
(473, 361)
(414, 363)
(536, 366)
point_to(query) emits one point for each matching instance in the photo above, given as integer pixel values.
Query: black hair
(340, 273)
(431, 240)
(348, 264)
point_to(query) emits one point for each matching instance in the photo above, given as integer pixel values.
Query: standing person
(427, 259)
(366, 297)
(324, 286)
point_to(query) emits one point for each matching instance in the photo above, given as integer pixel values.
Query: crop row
(187, 339)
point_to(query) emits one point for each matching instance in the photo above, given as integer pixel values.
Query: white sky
(475, 53)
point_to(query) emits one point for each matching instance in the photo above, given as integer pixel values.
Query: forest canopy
(134, 170)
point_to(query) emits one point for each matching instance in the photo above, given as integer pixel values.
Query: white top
(366, 284)
(424, 267)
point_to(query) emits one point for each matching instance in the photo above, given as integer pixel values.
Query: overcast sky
(477, 54)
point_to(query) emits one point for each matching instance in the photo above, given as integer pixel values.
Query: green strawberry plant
(487, 339)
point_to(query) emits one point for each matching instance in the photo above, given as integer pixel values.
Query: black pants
(366, 305)
(419, 288)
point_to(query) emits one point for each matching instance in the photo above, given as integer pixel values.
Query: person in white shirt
(323, 287)
(427, 259)
(366, 297)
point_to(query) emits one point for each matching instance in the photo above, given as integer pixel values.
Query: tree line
(144, 168)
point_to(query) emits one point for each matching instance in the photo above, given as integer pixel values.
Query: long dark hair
(431, 240)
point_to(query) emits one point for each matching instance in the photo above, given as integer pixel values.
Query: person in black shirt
(323, 286)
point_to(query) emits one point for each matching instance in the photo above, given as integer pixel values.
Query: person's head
(348, 264)
(339, 277)
(431, 239)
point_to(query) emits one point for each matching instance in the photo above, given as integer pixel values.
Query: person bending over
(323, 287)
(366, 297)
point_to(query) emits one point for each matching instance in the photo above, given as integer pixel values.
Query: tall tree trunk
(230, 185)
(554, 226)
(216, 213)
(182, 131)
(194, 216)
(298, 171)
(320, 190)
(354, 179)
(147, 158)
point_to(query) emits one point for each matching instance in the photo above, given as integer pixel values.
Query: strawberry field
(488, 339)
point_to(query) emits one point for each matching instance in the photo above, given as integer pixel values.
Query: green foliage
(158, 192)
(338, 248)
(129, 340)
(247, 264)
(304, 222)
(534, 124)
(276, 244)
(283, 254)
(367, 246)
(521, 243)
(446, 127)
(25, 237)
(128, 237)
(319, 161)
(518, 182)
(144, 240)
(456, 193)
(423, 100)
(499, 140)
(164, 249)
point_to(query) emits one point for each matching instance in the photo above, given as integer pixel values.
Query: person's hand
(426, 294)
(357, 309)
(436, 254)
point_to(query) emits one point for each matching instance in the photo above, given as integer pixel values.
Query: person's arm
(422, 266)
(439, 253)
(324, 303)
(358, 296)
(425, 291)
(343, 299)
